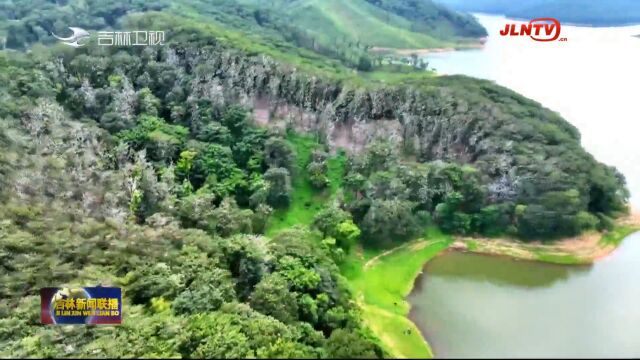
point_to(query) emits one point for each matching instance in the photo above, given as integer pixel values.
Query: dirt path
(417, 245)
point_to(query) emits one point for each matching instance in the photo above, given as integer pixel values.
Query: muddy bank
(585, 248)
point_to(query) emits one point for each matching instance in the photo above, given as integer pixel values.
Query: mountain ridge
(578, 12)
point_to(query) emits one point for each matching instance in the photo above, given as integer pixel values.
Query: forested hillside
(221, 178)
(101, 186)
(343, 30)
(432, 18)
(587, 12)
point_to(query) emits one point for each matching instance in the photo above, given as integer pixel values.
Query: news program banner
(89, 305)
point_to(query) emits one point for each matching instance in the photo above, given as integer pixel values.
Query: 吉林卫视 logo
(75, 39)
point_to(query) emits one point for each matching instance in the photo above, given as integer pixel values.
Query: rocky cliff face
(431, 125)
(522, 149)
(434, 121)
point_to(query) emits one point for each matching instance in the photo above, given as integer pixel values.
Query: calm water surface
(470, 305)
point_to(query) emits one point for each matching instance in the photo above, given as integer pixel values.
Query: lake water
(470, 305)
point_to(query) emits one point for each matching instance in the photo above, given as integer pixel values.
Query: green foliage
(340, 30)
(34, 21)
(317, 169)
(299, 277)
(431, 17)
(148, 103)
(215, 132)
(389, 199)
(185, 163)
(272, 297)
(152, 282)
(347, 234)
(162, 141)
(136, 167)
(343, 344)
(557, 214)
(336, 224)
(278, 153)
(388, 221)
(206, 293)
(328, 220)
(279, 185)
(228, 219)
(449, 216)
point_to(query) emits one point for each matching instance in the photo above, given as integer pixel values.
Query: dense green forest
(172, 211)
(588, 12)
(150, 168)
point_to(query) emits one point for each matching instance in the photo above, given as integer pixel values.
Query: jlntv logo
(540, 29)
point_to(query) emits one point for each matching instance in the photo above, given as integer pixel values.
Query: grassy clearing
(381, 281)
(382, 301)
(306, 201)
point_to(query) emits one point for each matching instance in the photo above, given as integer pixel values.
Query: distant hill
(431, 18)
(312, 23)
(385, 23)
(588, 12)
(342, 30)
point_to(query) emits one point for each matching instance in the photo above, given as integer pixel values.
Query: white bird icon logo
(74, 40)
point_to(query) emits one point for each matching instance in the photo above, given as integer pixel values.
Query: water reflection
(470, 305)
(456, 266)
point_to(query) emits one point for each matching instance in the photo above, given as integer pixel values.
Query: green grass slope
(362, 22)
(382, 301)
(354, 21)
(306, 201)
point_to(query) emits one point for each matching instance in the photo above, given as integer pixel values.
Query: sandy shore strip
(582, 249)
(424, 52)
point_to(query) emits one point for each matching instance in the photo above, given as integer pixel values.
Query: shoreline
(582, 249)
(579, 250)
(382, 302)
(385, 304)
(427, 51)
